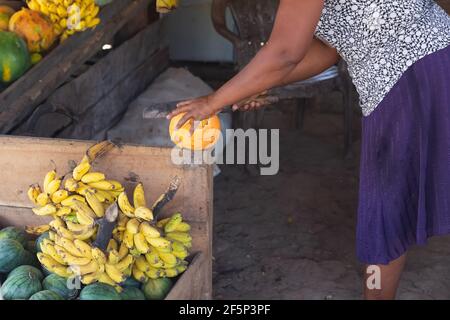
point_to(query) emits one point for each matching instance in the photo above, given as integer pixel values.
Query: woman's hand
(196, 109)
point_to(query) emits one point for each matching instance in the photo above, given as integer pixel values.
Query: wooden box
(24, 161)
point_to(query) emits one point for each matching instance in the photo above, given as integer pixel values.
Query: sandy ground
(292, 236)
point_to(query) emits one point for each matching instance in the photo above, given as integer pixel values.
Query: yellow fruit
(125, 263)
(90, 232)
(63, 211)
(183, 227)
(149, 231)
(153, 258)
(171, 272)
(179, 236)
(144, 213)
(125, 205)
(174, 221)
(139, 275)
(59, 195)
(53, 186)
(69, 246)
(49, 177)
(123, 250)
(98, 255)
(155, 273)
(113, 257)
(46, 210)
(139, 196)
(63, 232)
(84, 248)
(106, 185)
(89, 278)
(95, 204)
(114, 273)
(42, 199)
(71, 259)
(142, 264)
(133, 226)
(69, 201)
(161, 223)
(33, 193)
(71, 185)
(104, 278)
(159, 242)
(76, 228)
(82, 168)
(93, 177)
(85, 219)
(168, 258)
(141, 244)
(53, 266)
(91, 267)
(37, 230)
(82, 188)
(112, 245)
(51, 251)
(128, 239)
(106, 195)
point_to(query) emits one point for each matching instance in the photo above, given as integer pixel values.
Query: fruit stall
(159, 240)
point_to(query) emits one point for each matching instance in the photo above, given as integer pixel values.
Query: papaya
(14, 57)
(5, 14)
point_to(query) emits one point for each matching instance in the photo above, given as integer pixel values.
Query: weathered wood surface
(72, 100)
(16, 5)
(26, 160)
(19, 100)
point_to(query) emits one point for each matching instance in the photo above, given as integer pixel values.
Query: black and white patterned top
(380, 39)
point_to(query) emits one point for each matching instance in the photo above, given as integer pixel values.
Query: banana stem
(166, 197)
(106, 226)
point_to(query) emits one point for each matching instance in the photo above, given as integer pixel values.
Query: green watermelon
(14, 233)
(157, 289)
(14, 57)
(132, 293)
(131, 283)
(25, 270)
(12, 255)
(21, 286)
(99, 291)
(46, 295)
(58, 284)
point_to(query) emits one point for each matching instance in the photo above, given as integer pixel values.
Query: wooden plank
(191, 284)
(109, 110)
(16, 5)
(82, 93)
(19, 100)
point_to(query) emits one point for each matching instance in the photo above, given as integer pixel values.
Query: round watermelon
(14, 233)
(46, 295)
(99, 291)
(26, 270)
(132, 293)
(12, 255)
(59, 285)
(131, 283)
(21, 286)
(14, 57)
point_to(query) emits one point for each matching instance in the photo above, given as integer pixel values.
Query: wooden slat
(110, 109)
(18, 101)
(122, 67)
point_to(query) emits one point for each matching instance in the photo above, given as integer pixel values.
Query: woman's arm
(319, 58)
(289, 43)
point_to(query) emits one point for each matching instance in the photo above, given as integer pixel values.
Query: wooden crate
(79, 90)
(26, 160)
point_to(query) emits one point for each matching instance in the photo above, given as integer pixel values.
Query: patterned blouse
(380, 39)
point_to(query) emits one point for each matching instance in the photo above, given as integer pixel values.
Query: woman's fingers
(177, 111)
(184, 119)
(184, 103)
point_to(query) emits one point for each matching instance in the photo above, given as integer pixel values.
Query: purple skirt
(404, 193)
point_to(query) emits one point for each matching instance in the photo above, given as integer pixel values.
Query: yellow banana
(91, 267)
(114, 273)
(76, 228)
(49, 177)
(168, 258)
(138, 274)
(84, 248)
(71, 185)
(53, 186)
(33, 193)
(125, 205)
(106, 195)
(95, 204)
(63, 211)
(112, 245)
(37, 230)
(153, 257)
(42, 199)
(155, 273)
(85, 219)
(98, 255)
(53, 266)
(80, 170)
(128, 239)
(144, 213)
(149, 231)
(83, 207)
(161, 223)
(174, 221)
(123, 220)
(139, 196)
(82, 188)
(125, 263)
(51, 251)
(51, 235)
(64, 232)
(104, 278)
(123, 250)
(69, 246)
(183, 227)
(46, 210)
(69, 201)
(179, 236)
(89, 278)
(141, 244)
(134, 252)
(165, 6)
(100, 197)
(159, 242)
(133, 226)
(142, 264)
(113, 257)
(90, 232)
(106, 185)
(93, 177)
(117, 235)
(171, 272)
(71, 259)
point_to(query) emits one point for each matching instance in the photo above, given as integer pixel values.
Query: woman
(399, 59)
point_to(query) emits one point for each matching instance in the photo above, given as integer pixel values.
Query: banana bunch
(165, 6)
(68, 16)
(67, 255)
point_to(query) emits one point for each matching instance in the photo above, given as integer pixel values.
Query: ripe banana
(159, 242)
(104, 278)
(144, 213)
(125, 263)
(53, 186)
(174, 221)
(171, 272)
(69, 246)
(64, 232)
(168, 258)
(128, 239)
(133, 226)
(71, 185)
(84, 248)
(179, 236)
(114, 273)
(95, 204)
(123, 250)
(98, 255)
(93, 177)
(51, 251)
(89, 278)
(90, 232)
(91, 267)
(142, 264)
(53, 266)
(106, 195)
(183, 227)
(113, 257)
(82, 188)
(139, 196)
(37, 230)
(139, 275)
(76, 228)
(125, 205)
(85, 219)
(153, 258)
(165, 6)
(155, 273)
(46, 210)
(49, 177)
(83, 207)
(141, 244)
(161, 223)
(112, 245)
(63, 211)
(81, 169)
(71, 259)
(149, 231)
(106, 185)
(33, 193)
(69, 201)
(42, 199)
